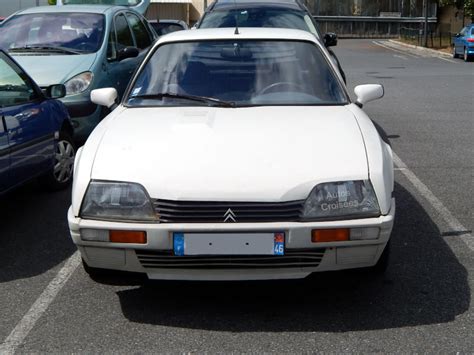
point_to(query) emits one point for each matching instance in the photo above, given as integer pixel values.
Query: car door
(459, 41)
(141, 35)
(120, 37)
(28, 128)
(4, 154)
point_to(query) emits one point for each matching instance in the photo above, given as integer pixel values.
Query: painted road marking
(23, 328)
(448, 60)
(400, 56)
(452, 222)
(395, 50)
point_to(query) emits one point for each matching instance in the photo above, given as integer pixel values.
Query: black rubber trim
(81, 109)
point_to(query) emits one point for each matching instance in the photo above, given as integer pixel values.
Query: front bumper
(159, 247)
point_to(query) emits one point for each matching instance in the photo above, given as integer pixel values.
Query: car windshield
(236, 73)
(64, 32)
(259, 17)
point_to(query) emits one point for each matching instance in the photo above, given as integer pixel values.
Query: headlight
(117, 201)
(79, 83)
(345, 199)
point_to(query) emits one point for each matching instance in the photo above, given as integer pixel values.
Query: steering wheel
(288, 84)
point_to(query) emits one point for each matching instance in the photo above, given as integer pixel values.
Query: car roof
(97, 9)
(233, 4)
(244, 33)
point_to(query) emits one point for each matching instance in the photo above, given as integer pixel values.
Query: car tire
(60, 176)
(455, 55)
(467, 58)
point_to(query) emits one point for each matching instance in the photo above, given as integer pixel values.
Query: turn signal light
(329, 235)
(135, 237)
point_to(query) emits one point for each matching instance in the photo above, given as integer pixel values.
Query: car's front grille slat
(292, 259)
(169, 211)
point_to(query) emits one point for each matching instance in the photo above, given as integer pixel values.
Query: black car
(266, 13)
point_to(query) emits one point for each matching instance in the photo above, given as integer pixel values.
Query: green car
(84, 47)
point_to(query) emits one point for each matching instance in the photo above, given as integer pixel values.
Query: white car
(235, 154)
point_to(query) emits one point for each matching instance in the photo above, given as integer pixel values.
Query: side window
(111, 48)
(463, 31)
(139, 31)
(15, 86)
(124, 36)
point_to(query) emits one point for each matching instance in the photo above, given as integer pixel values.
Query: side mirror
(368, 92)
(55, 91)
(104, 97)
(330, 39)
(457, 35)
(127, 52)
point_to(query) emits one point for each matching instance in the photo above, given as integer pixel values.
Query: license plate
(228, 244)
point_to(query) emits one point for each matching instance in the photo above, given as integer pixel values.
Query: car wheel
(60, 175)
(455, 55)
(466, 56)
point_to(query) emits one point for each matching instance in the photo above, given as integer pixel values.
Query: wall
(8, 7)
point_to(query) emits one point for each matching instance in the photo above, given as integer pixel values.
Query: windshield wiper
(45, 49)
(218, 102)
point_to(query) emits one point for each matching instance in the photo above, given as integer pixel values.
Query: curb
(429, 50)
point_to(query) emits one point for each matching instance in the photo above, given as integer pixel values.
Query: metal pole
(425, 29)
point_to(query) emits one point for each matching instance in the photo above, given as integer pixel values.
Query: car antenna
(236, 32)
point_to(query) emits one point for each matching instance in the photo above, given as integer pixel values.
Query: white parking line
(448, 60)
(452, 222)
(22, 329)
(395, 50)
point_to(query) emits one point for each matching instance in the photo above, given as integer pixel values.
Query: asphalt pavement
(422, 304)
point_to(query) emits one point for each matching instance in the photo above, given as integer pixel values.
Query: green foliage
(466, 5)
(52, 2)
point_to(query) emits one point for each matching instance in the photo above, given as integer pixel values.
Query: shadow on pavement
(34, 235)
(425, 284)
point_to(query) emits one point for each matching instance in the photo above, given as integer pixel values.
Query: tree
(466, 5)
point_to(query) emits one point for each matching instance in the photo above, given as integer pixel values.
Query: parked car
(463, 43)
(267, 13)
(83, 47)
(35, 131)
(139, 6)
(163, 27)
(234, 156)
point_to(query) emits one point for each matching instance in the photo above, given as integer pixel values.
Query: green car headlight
(79, 83)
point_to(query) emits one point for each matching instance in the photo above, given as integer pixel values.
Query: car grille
(217, 212)
(293, 258)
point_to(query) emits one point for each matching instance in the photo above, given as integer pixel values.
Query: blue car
(84, 47)
(35, 131)
(463, 43)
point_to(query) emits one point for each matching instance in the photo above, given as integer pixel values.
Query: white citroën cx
(235, 154)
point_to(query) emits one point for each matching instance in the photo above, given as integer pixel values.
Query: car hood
(231, 154)
(54, 69)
